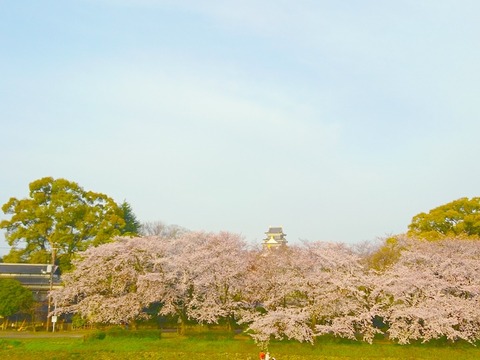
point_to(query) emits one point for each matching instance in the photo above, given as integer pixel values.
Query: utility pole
(52, 270)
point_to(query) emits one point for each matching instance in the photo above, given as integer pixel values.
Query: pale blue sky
(339, 120)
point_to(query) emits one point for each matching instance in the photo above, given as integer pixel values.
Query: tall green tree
(60, 215)
(132, 225)
(457, 218)
(386, 255)
(14, 297)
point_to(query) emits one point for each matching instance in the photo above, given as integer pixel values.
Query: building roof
(25, 269)
(275, 237)
(272, 241)
(275, 230)
(33, 276)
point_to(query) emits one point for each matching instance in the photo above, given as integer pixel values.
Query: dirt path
(38, 335)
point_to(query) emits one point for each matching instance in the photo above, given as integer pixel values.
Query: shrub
(119, 332)
(95, 335)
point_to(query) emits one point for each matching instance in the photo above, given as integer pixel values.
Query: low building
(39, 278)
(36, 277)
(275, 237)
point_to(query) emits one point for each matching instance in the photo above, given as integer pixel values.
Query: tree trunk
(231, 323)
(132, 325)
(313, 322)
(182, 324)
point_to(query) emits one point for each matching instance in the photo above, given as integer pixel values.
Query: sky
(338, 120)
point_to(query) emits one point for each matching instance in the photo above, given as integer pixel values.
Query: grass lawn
(148, 345)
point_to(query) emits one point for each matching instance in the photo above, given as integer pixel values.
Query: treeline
(297, 292)
(419, 286)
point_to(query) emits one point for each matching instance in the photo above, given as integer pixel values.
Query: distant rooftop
(275, 230)
(275, 237)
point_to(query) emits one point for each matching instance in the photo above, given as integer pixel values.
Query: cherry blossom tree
(297, 292)
(309, 290)
(103, 287)
(221, 267)
(274, 301)
(338, 290)
(432, 292)
(199, 278)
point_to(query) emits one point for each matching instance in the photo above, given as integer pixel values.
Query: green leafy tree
(14, 297)
(132, 225)
(457, 218)
(58, 214)
(386, 255)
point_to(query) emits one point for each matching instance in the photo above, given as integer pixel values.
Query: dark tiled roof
(275, 230)
(33, 276)
(27, 269)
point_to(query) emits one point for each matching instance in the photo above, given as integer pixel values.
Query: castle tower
(275, 238)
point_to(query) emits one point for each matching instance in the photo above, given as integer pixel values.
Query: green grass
(205, 346)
